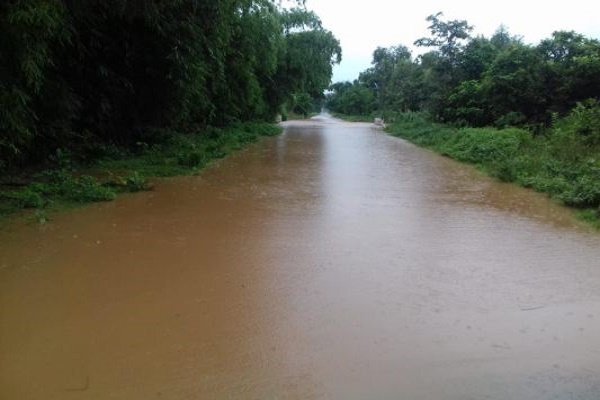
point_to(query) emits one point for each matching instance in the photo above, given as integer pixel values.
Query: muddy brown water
(332, 262)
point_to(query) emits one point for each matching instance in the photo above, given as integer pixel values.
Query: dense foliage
(477, 81)
(81, 74)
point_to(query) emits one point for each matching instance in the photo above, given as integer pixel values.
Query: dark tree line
(75, 73)
(478, 81)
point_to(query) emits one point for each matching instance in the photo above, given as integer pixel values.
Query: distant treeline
(478, 81)
(76, 74)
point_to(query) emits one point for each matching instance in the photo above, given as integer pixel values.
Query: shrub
(137, 182)
(27, 198)
(85, 189)
(584, 121)
(585, 192)
(485, 145)
(192, 159)
(510, 119)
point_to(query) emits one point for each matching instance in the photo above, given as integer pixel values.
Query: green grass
(558, 164)
(591, 217)
(127, 171)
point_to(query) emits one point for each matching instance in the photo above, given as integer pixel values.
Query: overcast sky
(361, 26)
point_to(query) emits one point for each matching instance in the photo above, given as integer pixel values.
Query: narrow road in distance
(331, 262)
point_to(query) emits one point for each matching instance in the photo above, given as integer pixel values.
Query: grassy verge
(559, 163)
(118, 171)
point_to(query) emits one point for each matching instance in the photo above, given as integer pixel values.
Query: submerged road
(332, 262)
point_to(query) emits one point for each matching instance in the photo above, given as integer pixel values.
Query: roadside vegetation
(558, 163)
(70, 183)
(523, 113)
(153, 88)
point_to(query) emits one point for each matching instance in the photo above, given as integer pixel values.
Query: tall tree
(79, 72)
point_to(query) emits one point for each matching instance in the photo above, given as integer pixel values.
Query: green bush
(584, 122)
(27, 198)
(584, 192)
(214, 150)
(84, 189)
(192, 159)
(506, 170)
(512, 118)
(484, 145)
(136, 182)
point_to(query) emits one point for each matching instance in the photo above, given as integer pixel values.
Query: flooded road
(332, 262)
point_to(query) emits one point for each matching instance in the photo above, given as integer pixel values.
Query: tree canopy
(477, 81)
(87, 71)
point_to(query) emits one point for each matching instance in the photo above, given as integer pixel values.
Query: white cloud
(361, 26)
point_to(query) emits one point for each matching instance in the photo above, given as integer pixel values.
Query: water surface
(332, 262)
